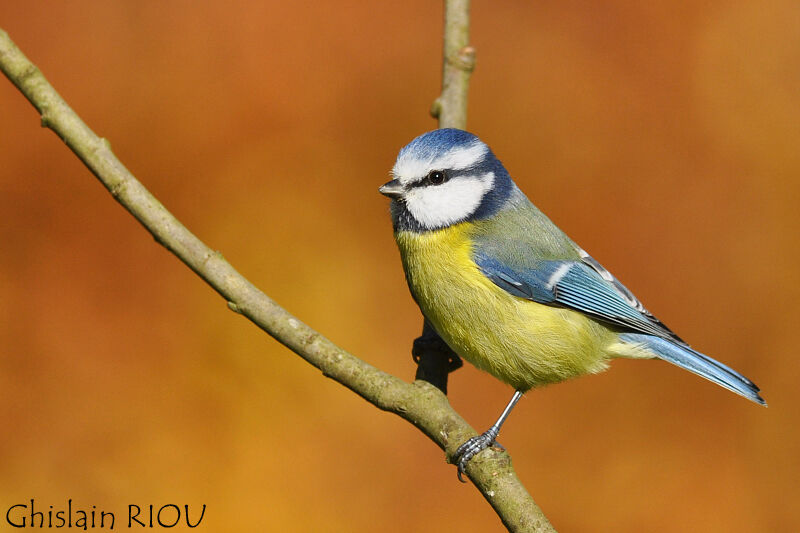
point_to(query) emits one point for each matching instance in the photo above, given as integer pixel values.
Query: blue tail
(699, 364)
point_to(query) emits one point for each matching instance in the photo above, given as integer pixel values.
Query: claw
(471, 448)
(476, 445)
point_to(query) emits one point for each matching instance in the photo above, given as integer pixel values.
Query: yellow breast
(522, 343)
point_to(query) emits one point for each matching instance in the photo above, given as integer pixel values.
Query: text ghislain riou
(22, 515)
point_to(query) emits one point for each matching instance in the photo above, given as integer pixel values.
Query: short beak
(392, 189)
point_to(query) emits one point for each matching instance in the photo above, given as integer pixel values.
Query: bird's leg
(475, 445)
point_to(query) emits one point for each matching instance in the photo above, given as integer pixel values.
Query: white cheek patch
(409, 167)
(438, 206)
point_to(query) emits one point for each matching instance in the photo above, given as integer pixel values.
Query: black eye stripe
(434, 177)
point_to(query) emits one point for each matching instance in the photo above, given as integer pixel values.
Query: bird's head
(444, 177)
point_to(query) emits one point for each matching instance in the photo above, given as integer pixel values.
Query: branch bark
(459, 61)
(435, 360)
(419, 403)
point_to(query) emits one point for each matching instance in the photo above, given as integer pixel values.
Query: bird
(506, 289)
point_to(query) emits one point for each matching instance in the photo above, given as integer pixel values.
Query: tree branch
(420, 403)
(459, 61)
(435, 360)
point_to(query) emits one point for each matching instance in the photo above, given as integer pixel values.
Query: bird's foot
(473, 447)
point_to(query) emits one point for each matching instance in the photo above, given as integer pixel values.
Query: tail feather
(698, 363)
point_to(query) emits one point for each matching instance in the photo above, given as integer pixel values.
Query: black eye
(437, 177)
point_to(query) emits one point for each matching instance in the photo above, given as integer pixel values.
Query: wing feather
(578, 285)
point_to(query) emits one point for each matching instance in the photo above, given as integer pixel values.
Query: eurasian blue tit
(509, 291)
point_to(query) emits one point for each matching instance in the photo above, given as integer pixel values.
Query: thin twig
(457, 65)
(435, 360)
(458, 62)
(420, 403)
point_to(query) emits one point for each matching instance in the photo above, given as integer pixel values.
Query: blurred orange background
(664, 137)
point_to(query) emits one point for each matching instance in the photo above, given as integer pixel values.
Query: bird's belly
(521, 342)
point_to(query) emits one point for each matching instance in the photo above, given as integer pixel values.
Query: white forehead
(412, 165)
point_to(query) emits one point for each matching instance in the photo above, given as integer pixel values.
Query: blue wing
(543, 265)
(583, 285)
